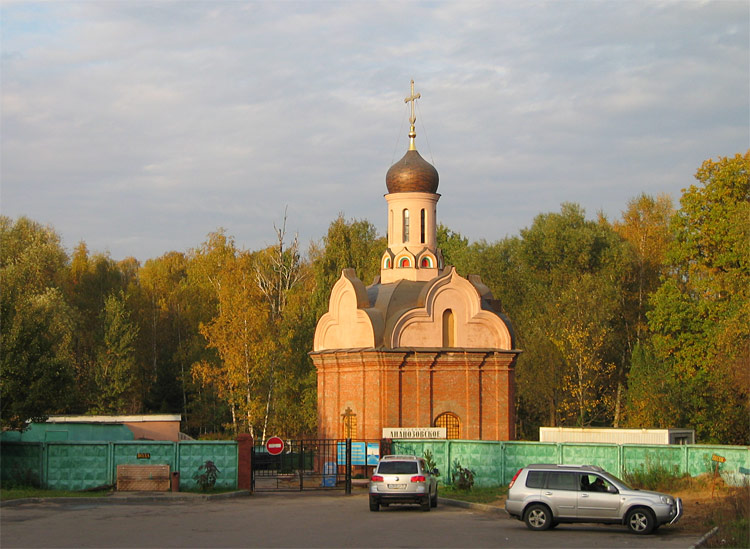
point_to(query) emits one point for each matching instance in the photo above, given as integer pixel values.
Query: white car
(403, 479)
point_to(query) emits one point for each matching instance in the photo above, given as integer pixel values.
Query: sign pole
(716, 459)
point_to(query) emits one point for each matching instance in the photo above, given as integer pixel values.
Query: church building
(421, 346)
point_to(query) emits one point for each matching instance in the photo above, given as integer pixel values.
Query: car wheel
(640, 520)
(374, 505)
(538, 517)
(426, 503)
(433, 499)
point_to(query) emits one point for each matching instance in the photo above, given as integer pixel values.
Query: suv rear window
(397, 467)
(535, 479)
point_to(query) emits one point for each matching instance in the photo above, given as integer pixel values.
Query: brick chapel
(421, 346)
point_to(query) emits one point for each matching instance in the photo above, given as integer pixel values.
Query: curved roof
(412, 174)
(409, 314)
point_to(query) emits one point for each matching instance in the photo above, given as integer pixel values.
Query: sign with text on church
(414, 432)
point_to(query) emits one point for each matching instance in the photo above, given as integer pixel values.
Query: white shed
(616, 436)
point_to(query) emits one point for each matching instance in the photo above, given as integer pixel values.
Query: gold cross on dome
(413, 98)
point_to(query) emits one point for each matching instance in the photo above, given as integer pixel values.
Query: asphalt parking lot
(307, 519)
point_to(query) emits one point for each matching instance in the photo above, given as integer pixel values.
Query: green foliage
(461, 477)
(116, 362)
(478, 494)
(655, 476)
(644, 322)
(430, 460)
(569, 274)
(348, 244)
(36, 365)
(206, 476)
(700, 317)
(733, 520)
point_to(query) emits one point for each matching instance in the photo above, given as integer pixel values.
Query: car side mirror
(611, 489)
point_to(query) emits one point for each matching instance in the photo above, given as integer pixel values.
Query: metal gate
(325, 464)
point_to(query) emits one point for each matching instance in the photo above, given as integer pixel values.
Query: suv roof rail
(566, 466)
(397, 457)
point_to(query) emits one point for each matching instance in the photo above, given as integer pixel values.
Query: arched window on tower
(451, 423)
(406, 226)
(422, 224)
(449, 329)
(390, 226)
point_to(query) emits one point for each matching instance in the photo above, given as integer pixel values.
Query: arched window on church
(390, 226)
(422, 224)
(451, 423)
(349, 419)
(406, 226)
(449, 329)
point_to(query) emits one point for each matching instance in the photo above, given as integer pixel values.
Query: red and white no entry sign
(274, 445)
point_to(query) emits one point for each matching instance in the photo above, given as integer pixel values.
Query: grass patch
(732, 517)
(656, 476)
(7, 494)
(478, 494)
(215, 490)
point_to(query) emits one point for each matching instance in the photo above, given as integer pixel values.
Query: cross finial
(413, 118)
(413, 98)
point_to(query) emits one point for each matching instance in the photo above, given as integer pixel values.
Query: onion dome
(412, 174)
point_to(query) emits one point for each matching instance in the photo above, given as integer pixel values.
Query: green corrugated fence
(495, 462)
(82, 465)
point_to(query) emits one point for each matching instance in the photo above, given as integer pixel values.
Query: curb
(128, 500)
(708, 535)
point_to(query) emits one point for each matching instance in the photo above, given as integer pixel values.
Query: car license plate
(397, 486)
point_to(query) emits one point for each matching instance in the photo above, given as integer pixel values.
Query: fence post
(449, 477)
(244, 461)
(348, 482)
(502, 463)
(301, 467)
(685, 466)
(43, 465)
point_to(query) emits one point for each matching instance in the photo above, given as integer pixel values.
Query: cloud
(140, 127)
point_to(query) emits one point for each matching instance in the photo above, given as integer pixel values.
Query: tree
(116, 363)
(285, 282)
(167, 328)
(645, 225)
(700, 317)
(569, 272)
(348, 244)
(35, 327)
(91, 280)
(238, 334)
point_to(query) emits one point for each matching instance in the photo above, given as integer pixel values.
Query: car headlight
(668, 500)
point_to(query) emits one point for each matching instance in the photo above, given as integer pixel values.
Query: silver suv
(545, 495)
(403, 479)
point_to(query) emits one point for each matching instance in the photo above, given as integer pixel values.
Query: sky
(141, 127)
